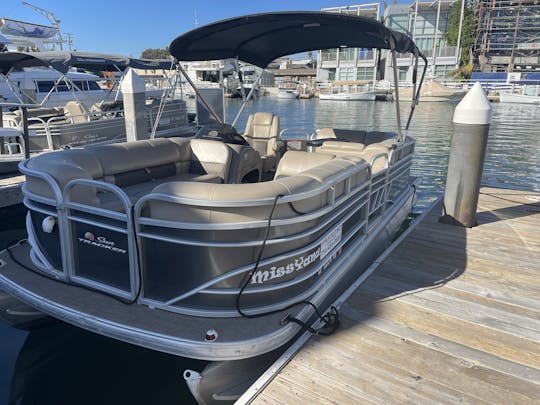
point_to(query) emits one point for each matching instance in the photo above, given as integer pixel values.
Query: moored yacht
(348, 91)
(288, 90)
(224, 246)
(526, 95)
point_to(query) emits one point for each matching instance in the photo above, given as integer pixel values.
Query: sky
(129, 27)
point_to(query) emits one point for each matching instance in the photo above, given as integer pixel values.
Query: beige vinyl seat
(262, 131)
(79, 112)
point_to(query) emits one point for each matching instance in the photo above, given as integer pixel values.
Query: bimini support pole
(396, 91)
(240, 78)
(208, 107)
(55, 85)
(255, 83)
(416, 91)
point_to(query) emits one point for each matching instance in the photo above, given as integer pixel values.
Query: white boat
(224, 246)
(288, 94)
(43, 80)
(367, 96)
(507, 97)
(213, 74)
(348, 91)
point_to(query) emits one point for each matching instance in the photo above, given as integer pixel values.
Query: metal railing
(369, 199)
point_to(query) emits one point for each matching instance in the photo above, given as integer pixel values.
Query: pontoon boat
(76, 123)
(225, 246)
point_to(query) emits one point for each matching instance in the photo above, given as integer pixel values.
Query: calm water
(60, 364)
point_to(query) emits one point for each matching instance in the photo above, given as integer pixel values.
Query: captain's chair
(78, 112)
(262, 130)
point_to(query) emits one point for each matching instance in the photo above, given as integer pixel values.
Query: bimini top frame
(62, 61)
(261, 38)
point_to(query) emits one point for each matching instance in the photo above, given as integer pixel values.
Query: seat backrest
(295, 162)
(262, 130)
(77, 111)
(340, 148)
(210, 157)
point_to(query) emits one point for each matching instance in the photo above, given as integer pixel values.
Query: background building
(507, 35)
(426, 22)
(349, 64)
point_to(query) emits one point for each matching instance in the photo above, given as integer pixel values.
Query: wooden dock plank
(451, 316)
(384, 381)
(469, 310)
(446, 370)
(457, 330)
(487, 292)
(466, 353)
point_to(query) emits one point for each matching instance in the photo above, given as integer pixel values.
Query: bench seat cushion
(238, 193)
(136, 191)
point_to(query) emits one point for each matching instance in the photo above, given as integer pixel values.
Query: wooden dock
(452, 315)
(10, 189)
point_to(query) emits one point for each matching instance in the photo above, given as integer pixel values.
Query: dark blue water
(61, 364)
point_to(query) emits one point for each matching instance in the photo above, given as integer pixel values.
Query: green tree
(467, 31)
(156, 53)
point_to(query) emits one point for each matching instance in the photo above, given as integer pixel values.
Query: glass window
(425, 23)
(331, 74)
(44, 86)
(365, 54)
(92, 85)
(346, 73)
(346, 54)
(328, 55)
(364, 73)
(80, 84)
(402, 73)
(62, 86)
(399, 22)
(424, 44)
(441, 72)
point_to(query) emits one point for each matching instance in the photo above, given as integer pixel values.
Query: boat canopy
(62, 61)
(261, 38)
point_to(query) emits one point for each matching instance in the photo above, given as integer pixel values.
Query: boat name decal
(299, 263)
(327, 245)
(100, 242)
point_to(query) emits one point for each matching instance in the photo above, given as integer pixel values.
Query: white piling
(134, 97)
(472, 117)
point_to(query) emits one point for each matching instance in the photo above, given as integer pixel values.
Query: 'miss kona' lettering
(328, 243)
(298, 264)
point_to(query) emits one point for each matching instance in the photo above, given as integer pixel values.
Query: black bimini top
(261, 38)
(62, 61)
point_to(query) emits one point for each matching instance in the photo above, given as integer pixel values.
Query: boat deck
(452, 315)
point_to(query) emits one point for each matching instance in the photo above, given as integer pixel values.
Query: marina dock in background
(449, 315)
(10, 189)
